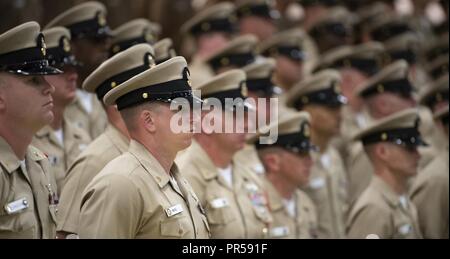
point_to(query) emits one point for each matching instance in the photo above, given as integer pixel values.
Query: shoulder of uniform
(435, 174)
(36, 154)
(247, 173)
(368, 202)
(79, 132)
(305, 199)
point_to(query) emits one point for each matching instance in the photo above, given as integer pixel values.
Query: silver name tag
(317, 183)
(279, 232)
(174, 210)
(219, 203)
(17, 206)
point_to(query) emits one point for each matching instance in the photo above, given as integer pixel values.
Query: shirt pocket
(219, 212)
(176, 227)
(19, 225)
(404, 229)
(262, 214)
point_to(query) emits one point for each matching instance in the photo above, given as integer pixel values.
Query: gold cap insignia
(66, 44)
(148, 37)
(225, 61)
(347, 63)
(101, 19)
(116, 48)
(380, 88)
(306, 130)
(205, 26)
(305, 99)
(43, 45)
(232, 19)
(244, 90)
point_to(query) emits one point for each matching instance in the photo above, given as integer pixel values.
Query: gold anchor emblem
(43, 47)
(306, 130)
(148, 36)
(101, 19)
(244, 91)
(66, 45)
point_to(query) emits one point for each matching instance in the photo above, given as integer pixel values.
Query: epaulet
(37, 154)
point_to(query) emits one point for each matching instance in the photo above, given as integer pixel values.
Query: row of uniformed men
(391, 71)
(259, 85)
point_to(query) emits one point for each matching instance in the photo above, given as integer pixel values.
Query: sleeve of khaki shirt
(78, 177)
(429, 199)
(370, 220)
(110, 209)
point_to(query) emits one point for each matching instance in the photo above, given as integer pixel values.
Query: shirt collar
(117, 138)
(151, 164)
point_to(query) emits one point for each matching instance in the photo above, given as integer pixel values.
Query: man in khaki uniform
(288, 163)
(232, 195)
(294, 53)
(145, 182)
(333, 30)
(164, 50)
(384, 94)
(384, 209)
(257, 17)
(111, 144)
(91, 42)
(356, 64)
(406, 47)
(132, 33)
(434, 97)
(320, 96)
(28, 196)
(211, 29)
(260, 87)
(61, 140)
(238, 53)
(315, 10)
(430, 190)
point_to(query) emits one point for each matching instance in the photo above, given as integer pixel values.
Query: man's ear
(148, 120)
(382, 151)
(272, 161)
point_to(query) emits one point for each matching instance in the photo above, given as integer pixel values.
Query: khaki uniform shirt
(248, 157)
(328, 188)
(432, 136)
(234, 212)
(430, 195)
(93, 122)
(133, 197)
(61, 156)
(28, 196)
(302, 226)
(97, 155)
(379, 213)
(360, 170)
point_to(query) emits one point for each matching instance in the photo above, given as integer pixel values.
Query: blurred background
(171, 14)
